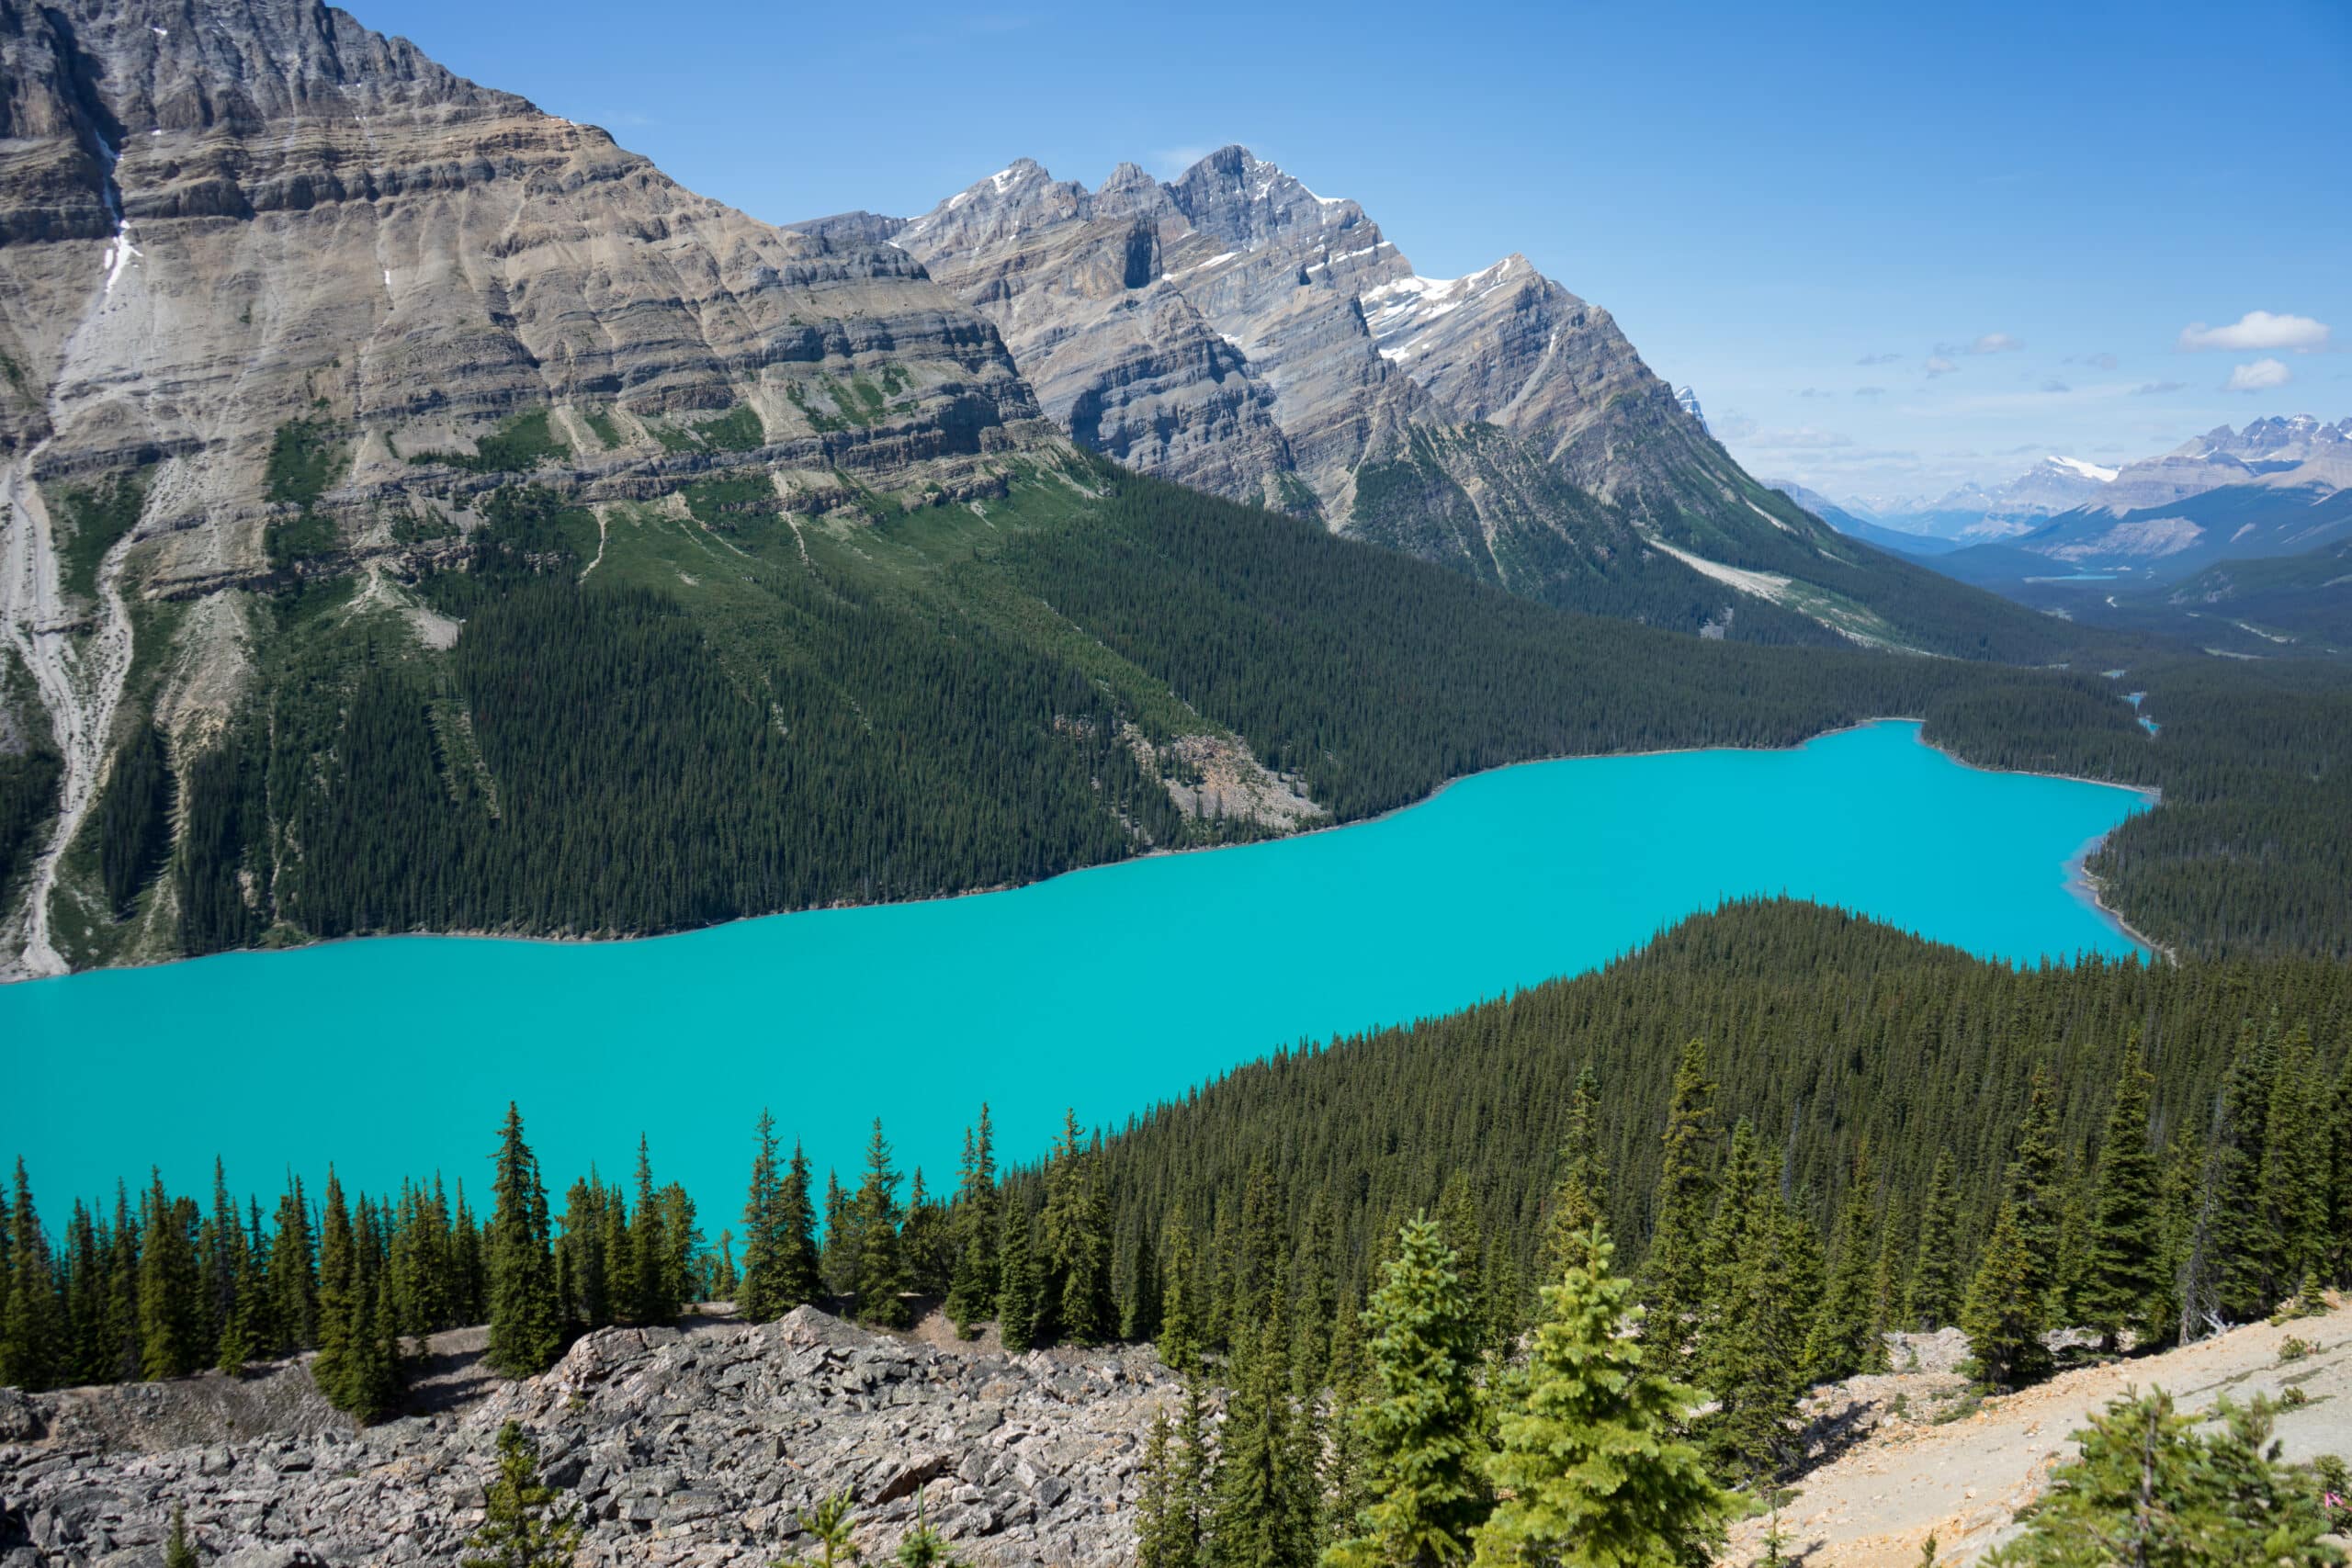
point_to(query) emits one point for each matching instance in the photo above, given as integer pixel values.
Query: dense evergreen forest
(941, 706)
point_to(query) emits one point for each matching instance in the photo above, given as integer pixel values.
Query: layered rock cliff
(1236, 331)
(261, 267)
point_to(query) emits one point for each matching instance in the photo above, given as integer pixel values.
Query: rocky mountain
(1974, 513)
(1689, 401)
(1854, 525)
(689, 1448)
(281, 297)
(1236, 331)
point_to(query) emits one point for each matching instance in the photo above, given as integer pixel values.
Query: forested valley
(1793, 1130)
(616, 745)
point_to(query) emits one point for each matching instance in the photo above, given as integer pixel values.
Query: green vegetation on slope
(748, 710)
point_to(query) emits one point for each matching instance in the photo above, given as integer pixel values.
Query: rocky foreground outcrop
(694, 1448)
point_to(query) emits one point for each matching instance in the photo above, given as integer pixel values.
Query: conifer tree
(338, 1266)
(761, 1298)
(1842, 1342)
(2124, 1260)
(1020, 1284)
(31, 1314)
(1761, 1309)
(293, 1273)
(1076, 1224)
(525, 1319)
(1179, 1313)
(1419, 1424)
(881, 1266)
(123, 1351)
(1171, 1517)
(179, 1548)
(2339, 1203)
(1673, 1274)
(521, 1526)
(1591, 1462)
(2002, 1317)
(1265, 1511)
(800, 1281)
(2294, 1181)
(651, 1267)
(2149, 1485)
(170, 1326)
(2036, 1192)
(220, 1252)
(838, 1264)
(1932, 1299)
(1580, 1198)
(2228, 1267)
(971, 1289)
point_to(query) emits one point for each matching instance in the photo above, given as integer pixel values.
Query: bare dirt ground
(1964, 1479)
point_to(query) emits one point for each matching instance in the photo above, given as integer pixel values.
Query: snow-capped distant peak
(1689, 401)
(2088, 470)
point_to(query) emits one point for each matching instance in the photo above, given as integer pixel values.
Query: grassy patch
(822, 422)
(303, 536)
(607, 428)
(726, 504)
(98, 515)
(304, 457)
(519, 445)
(738, 431)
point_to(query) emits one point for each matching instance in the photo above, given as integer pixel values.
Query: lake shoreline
(2079, 880)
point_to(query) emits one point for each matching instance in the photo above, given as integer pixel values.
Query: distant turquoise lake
(1105, 989)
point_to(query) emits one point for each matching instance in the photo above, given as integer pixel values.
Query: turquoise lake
(1106, 990)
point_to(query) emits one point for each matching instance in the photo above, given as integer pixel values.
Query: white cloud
(1939, 365)
(2258, 376)
(1878, 359)
(1994, 343)
(1804, 438)
(2054, 385)
(2156, 389)
(2257, 329)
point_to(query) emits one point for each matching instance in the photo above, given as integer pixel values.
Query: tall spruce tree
(1580, 1198)
(526, 1318)
(1591, 1462)
(1843, 1340)
(2002, 1317)
(971, 1289)
(32, 1319)
(652, 1276)
(762, 1292)
(1076, 1222)
(1419, 1424)
(2295, 1168)
(1932, 1299)
(800, 1281)
(2037, 1193)
(1020, 1282)
(2123, 1261)
(1673, 1274)
(171, 1325)
(881, 1265)
(1265, 1513)
(1761, 1308)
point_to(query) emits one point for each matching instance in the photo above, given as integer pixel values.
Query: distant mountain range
(2278, 487)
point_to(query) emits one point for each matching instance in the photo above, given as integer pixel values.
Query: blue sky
(1892, 246)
